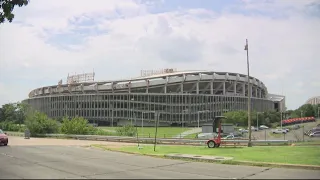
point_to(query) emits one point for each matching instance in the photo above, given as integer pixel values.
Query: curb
(250, 163)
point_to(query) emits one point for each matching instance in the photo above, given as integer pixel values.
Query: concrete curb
(250, 163)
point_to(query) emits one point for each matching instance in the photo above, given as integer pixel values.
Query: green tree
(7, 7)
(38, 123)
(21, 112)
(9, 112)
(76, 125)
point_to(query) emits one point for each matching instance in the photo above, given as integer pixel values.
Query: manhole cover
(196, 156)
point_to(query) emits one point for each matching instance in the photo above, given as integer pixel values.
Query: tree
(9, 112)
(38, 123)
(7, 7)
(241, 118)
(76, 125)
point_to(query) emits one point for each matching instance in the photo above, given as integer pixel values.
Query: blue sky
(49, 39)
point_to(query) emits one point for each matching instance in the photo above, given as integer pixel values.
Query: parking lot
(294, 135)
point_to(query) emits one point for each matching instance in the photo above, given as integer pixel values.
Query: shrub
(10, 126)
(126, 130)
(102, 132)
(39, 123)
(76, 125)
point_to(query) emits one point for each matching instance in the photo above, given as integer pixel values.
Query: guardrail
(176, 141)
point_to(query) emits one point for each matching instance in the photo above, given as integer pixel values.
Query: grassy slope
(282, 154)
(163, 132)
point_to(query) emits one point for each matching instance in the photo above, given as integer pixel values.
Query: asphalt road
(66, 159)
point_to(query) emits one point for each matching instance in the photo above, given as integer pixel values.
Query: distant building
(279, 102)
(176, 98)
(314, 100)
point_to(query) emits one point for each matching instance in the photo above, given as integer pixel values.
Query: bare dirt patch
(20, 141)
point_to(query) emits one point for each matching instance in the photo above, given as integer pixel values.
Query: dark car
(3, 138)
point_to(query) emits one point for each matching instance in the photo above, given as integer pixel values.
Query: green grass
(307, 155)
(163, 132)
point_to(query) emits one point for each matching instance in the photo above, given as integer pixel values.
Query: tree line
(19, 116)
(270, 118)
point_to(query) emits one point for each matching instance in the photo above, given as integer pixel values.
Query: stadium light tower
(246, 48)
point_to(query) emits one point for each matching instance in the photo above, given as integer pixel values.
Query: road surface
(58, 159)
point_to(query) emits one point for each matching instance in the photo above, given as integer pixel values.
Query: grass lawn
(308, 155)
(191, 136)
(163, 132)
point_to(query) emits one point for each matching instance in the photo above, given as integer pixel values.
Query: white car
(264, 127)
(279, 131)
(254, 128)
(243, 130)
(286, 129)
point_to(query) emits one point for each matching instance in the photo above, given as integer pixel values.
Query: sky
(117, 38)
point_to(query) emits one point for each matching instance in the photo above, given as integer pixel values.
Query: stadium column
(224, 87)
(197, 87)
(235, 87)
(211, 87)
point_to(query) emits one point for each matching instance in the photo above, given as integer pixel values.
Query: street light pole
(257, 120)
(281, 119)
(198, 119)
(249, 94)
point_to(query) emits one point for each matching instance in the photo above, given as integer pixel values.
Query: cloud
(118, 38)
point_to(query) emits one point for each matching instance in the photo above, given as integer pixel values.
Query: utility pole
(246, 48)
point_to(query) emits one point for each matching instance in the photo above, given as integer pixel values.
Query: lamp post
(111, 106)
(258, 120)
(246, 48)
(280, 119)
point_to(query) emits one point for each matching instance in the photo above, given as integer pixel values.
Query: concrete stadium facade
(177, 99)
(313, 100)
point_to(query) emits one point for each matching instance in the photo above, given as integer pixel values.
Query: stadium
(175, 98)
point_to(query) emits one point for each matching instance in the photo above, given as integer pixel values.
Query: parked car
(279, 131)
(233, 136)
(263, 127)
(243, 130)
(3, 138)
(316, 129)
(315, 134)
(296, 126)
(206, 135)
(286, 129)
(254, 128)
